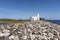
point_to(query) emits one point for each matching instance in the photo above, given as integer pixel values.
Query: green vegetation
(42, 19)
(13, 21)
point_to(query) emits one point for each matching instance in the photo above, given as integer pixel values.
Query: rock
(24, 37)
(34, 30)
(1, 34)
(11, 37)
(6, 38)
(6, 34)
(16, 37)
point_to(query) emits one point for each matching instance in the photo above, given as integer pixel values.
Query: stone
(11, 37)
(25, 37)
(16, 37)
(34, 30)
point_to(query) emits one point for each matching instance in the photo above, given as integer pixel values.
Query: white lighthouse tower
(38, 17)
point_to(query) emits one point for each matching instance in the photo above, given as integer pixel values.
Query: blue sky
(23, 9)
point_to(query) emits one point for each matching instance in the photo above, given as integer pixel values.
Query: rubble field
(34, 30)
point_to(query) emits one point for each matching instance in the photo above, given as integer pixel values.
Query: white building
(35, 17)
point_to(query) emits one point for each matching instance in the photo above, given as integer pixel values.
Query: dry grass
(13, 21)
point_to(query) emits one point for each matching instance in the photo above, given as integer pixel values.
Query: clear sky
(23, 9)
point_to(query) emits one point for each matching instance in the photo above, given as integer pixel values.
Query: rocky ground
(34, 30)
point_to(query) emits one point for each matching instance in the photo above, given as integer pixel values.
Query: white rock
(16, 38)
(25, 37)
(5, 30)
(1, 34)
(11, 37)
(56, 39)
(6, 34)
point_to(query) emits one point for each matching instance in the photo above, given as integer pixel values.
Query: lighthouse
(37, 17)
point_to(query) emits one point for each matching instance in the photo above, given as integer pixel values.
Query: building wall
(35, 17)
